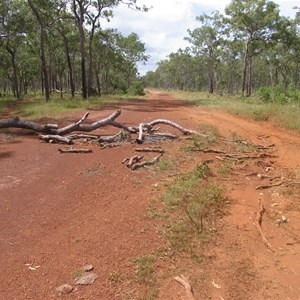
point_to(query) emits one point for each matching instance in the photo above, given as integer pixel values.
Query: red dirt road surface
(59, 212)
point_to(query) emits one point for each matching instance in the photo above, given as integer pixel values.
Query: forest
(251, 48)
(60, 46)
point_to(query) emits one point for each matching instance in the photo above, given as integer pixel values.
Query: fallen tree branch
(146, 163)
(72, 150)
(151, 149)
(158, 136)
(117, 138)
(77, 126)
(50, 138)
(133, 160)
(175, 125)
(186, 284)
(258, 222)
(82, 136)
(208, 151)
(267, 186)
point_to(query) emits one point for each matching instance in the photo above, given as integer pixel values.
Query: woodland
(60, 46)
(251, 48)
(55, 45)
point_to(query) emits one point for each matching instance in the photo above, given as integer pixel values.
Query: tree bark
(42, 49)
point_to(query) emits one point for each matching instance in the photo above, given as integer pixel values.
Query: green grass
(35, 107)
(5, 103)
(284, 115)
(192, 203)
(146, 276)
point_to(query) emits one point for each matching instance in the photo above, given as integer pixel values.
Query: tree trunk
(42, 49)
(211, 73)
(15, 75)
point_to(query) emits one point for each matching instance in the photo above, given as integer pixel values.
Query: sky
(162, 29)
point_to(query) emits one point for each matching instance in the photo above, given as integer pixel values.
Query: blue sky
(163, 28)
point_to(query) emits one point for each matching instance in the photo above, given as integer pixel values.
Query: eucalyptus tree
(256, 23)
(90, 13)
(205, 40)
(13, 30)
(43, 12)
(133, 51)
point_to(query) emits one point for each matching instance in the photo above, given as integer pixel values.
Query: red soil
(62, 211)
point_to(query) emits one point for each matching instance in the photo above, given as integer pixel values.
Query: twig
(50, 138)
(146, 163)
(186, 284)
(208, 151)
(133, 160)
(193, 221)
(71, 150)
(258, 222)
(151, 149)
(267, 186)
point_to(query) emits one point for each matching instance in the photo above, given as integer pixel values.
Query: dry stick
(166, 122)
(209, 151)
(292, 183)
(194, 222)
(146, 163)
(57, 138)
(133, 160)
(160, 136)
(258, 222)
(186, 284)
(140, 137)
(267, 186)
(71, 150)
(82, 136)
(151, 149)
(113, 138)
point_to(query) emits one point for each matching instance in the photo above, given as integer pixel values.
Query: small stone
(284, 219)
(86, 279)
(88, 268)
(65, 289)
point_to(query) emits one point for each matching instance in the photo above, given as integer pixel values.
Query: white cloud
(163, 27)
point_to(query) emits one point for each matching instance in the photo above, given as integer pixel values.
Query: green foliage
(277, 94)
(136, 88)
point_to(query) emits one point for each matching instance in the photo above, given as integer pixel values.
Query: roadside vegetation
(283, 111)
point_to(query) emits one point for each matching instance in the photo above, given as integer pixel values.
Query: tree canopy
(249, 48)
(60, 45)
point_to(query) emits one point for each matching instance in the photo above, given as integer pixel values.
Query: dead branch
(77, 126)
(292, 183)
(50, 138)
(139, 140)
(133, 160)
(72, 150)
(146, 163)
(208, 151)
(17, 123)
(267, 186)
(258, 222)
(82, 136)
(155, 137)
(186, 284)
(117, 138)
(175, 125)
(150, 149)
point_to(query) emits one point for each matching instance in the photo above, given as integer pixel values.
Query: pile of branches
(144, 132)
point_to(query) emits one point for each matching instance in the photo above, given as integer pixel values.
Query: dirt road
(59, 212)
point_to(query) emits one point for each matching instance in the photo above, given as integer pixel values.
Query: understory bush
(136, 88)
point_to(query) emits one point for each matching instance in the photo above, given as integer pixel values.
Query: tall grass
(284, 115)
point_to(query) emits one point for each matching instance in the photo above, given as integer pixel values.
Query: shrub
(136, 88)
